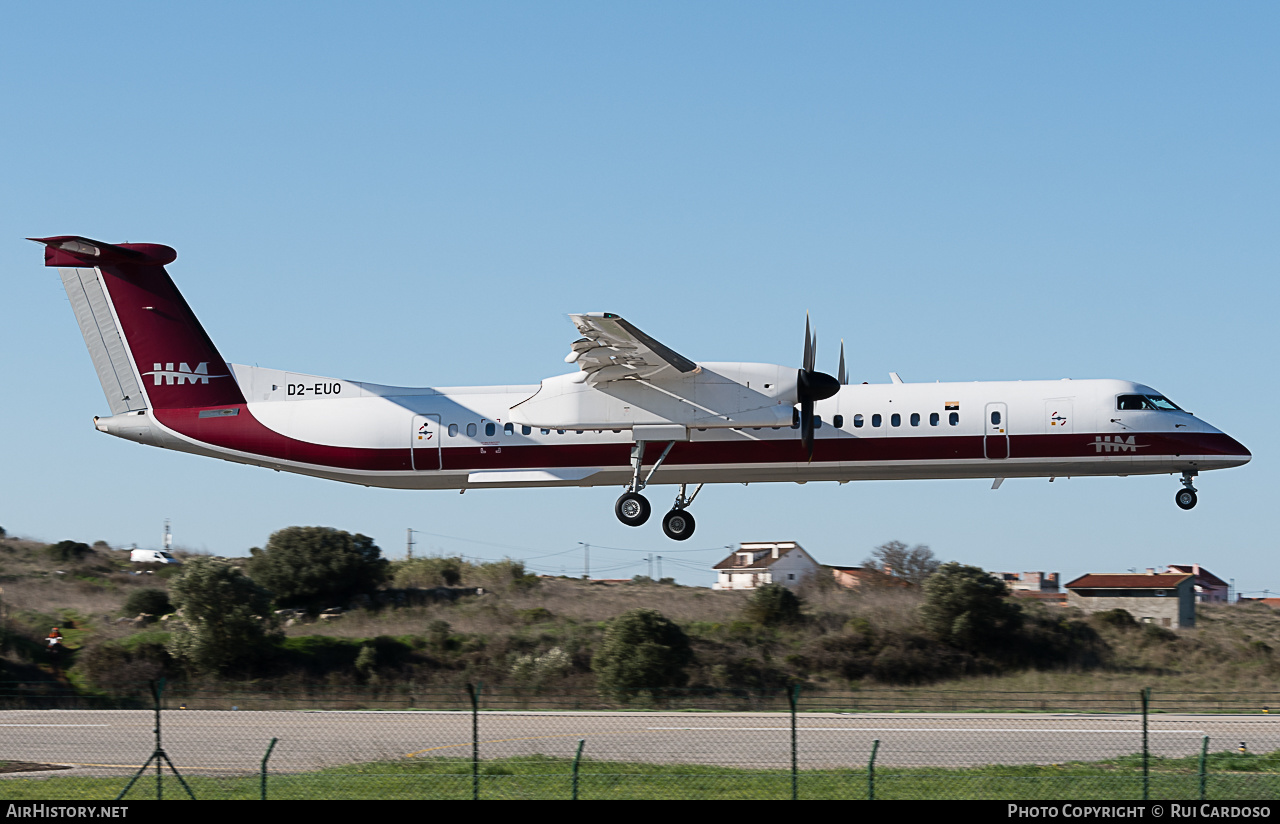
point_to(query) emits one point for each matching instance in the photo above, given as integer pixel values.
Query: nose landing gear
(1186, 497)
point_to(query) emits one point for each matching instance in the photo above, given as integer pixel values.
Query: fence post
(263, 769)
(871, 771)
(157, 755)
(474, 692)
(794, 695)
(1204, 757)
(576, 758)
(1146, 750)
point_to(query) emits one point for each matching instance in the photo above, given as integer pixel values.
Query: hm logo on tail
(183, 374)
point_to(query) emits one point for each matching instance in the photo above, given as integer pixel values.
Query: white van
(152, 556)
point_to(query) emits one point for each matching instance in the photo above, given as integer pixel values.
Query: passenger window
(471, 430)
(559, 431)
(525, 430)
(545, 431)
(933, 418)
(453, 430)
(490, 430)
(995, 418)
(954, 419)
(857, 421)
(509, 429)
(817, 421)
(876, 419)
(895, 419)
(838, 421)
(915, 418)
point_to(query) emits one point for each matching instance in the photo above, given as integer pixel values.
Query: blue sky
(418, 193)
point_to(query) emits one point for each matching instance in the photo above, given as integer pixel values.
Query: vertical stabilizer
(147, 346)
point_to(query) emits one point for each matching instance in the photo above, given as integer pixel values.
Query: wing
(611, 349)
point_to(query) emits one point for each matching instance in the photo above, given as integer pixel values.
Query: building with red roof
(1165, 599)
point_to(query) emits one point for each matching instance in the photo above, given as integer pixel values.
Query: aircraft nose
(1238, 450)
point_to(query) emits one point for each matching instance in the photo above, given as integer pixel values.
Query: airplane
(635, 412)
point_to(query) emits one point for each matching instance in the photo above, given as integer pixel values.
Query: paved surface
(113, 742)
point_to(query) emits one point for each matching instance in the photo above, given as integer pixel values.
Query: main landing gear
(1186, 497)
(633, 508)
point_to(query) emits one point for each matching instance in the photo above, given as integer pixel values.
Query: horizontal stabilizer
(73, 250)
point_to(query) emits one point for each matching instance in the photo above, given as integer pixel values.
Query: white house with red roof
(769, 562)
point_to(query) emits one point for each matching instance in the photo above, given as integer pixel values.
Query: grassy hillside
(541, 634)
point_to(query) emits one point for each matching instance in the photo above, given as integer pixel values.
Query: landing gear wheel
(632, 509)
(678, 524)
(1186, 498)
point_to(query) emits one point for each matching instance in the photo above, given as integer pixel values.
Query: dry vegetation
(541, 634)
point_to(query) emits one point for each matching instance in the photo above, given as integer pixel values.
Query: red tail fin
(173, 359)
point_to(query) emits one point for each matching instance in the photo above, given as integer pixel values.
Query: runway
(112, 742)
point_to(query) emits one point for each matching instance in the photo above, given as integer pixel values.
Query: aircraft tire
(1185, 499)
(632, 509)
(678, 524)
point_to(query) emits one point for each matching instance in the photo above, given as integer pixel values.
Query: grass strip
(1232, 776)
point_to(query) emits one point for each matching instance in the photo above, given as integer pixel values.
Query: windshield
(1156, 402)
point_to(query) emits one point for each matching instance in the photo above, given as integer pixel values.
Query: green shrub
(1117, 618)
(535, 615)
(225, 617)
(967, 608)
(317, 566)
(148, 601)
(65, 552)
(425, 573)
(126, 665)
(642, 649)
(773, 605)
(503, 575)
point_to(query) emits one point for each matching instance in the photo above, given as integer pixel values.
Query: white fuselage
(465, 437)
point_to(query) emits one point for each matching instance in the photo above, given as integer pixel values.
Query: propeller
(813, 386)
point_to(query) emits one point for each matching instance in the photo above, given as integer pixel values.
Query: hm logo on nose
(1117, 443)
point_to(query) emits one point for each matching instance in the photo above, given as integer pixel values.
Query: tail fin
(145, 342)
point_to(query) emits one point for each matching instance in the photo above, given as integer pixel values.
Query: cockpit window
(1161, 402)
(1154, 402)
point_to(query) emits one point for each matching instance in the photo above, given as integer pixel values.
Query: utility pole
(659, 578)
(586, 561)
(408, 549)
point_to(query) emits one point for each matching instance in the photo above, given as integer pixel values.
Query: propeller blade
(806, 427)
(813, 386)
(809, 344)
(842, 375)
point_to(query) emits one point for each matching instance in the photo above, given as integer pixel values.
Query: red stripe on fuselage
(244, 433)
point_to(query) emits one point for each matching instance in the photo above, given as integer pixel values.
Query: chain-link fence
(347, 743)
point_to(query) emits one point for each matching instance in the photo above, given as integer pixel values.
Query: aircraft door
(425, 446)
(995, 443)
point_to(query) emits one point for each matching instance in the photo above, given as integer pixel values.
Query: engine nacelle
(716, 395)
